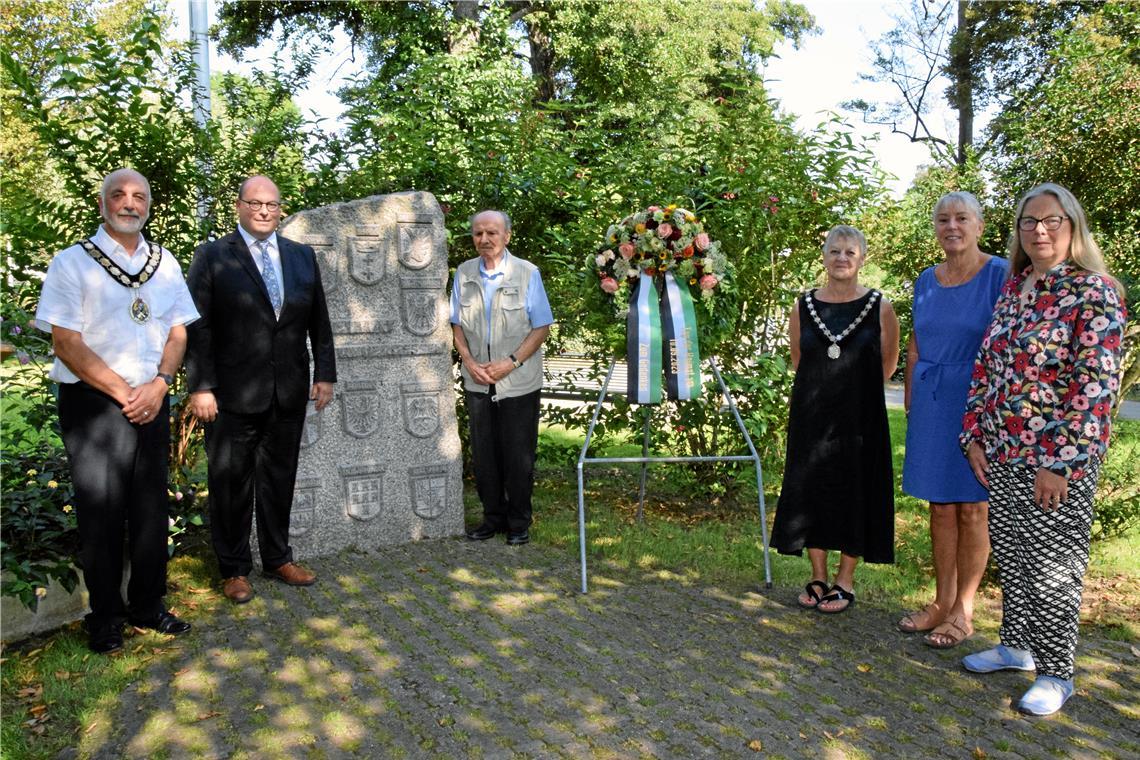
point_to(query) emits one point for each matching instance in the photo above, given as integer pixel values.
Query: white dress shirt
(274, 256)
(78, 294)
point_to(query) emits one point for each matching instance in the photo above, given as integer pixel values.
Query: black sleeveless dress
(838, 490)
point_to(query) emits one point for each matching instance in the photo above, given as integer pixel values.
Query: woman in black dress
(838, 490)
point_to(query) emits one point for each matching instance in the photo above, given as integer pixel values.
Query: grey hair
(958, 198)
(502, 215)
(847, 232)
(110, 179)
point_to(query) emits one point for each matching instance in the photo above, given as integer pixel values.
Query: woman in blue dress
(953, 303)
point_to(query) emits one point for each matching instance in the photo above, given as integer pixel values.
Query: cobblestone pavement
(455, 649)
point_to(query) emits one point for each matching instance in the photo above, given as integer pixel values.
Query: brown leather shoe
(293, 574)
(237, 589)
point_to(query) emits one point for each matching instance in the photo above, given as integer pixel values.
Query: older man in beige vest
(500, 317)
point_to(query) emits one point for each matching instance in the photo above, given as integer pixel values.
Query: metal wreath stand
(645, 459)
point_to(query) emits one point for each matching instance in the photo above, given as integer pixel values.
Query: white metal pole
(199, 35)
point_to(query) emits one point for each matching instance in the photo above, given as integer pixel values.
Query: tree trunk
(466, 34)
(541, 56)
(961, 65)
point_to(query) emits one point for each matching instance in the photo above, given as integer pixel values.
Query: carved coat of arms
(304, 513)
(366, 259)
(421, 409)
(428, 490)
(416, 243)
(363, 490)
(419, 304)
(311, 433)
(360, 408)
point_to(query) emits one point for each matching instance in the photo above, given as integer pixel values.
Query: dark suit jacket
(237, 348)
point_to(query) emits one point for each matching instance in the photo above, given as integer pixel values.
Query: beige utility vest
(509, 324)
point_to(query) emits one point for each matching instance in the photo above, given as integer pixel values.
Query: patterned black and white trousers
(1041, 557)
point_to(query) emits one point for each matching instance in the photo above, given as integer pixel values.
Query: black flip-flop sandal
(836, 594)
(816, 596)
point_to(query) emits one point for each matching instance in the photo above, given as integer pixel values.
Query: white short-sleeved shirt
(78, 294)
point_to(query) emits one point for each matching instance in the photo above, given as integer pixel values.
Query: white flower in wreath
(622, 269)
(658, 216)
(679, 218)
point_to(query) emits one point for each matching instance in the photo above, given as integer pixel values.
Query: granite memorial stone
(382, 463)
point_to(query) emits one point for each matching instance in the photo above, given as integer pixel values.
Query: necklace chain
(973, 270)
(833, 350)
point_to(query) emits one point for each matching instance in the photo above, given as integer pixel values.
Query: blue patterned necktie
(270, 277)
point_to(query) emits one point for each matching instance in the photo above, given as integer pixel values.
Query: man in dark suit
(247, 366)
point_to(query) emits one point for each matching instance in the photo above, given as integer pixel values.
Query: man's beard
(125, 225)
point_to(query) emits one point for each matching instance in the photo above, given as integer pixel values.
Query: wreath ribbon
(683, 356)
(643, 343)
(661, 337)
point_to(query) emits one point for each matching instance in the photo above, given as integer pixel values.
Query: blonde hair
(1082, 248)
(846, 232)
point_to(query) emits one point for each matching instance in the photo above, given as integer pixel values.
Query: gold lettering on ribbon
(673, 362)
(643, 367)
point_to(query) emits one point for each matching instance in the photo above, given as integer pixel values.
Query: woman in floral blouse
(1035, 431)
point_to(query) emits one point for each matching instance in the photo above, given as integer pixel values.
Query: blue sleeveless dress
(949, 323)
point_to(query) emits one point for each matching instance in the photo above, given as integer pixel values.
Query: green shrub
(1118, 493)
(37, 519)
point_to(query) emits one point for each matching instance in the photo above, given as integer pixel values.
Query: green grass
(714, 538)
(55, 694)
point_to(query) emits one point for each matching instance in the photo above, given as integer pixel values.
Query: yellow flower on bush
(32, 473)
(52, 484)
(67, 508)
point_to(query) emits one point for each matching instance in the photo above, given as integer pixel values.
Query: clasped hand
(144, 402)
(489, 373)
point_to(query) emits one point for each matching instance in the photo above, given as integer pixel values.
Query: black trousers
(253, 464)
(119, 471)
(504, 437)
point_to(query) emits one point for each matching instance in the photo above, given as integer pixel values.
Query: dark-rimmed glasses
(275, 206)
(1029, 223)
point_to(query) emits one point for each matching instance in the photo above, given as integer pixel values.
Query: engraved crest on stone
(328, 259)
(360, 408)
(419, 304)
(363, 490)
(421, 409)
(311, 433)
(416, 241)
(366, 259)
(304, 513)
(428, 490)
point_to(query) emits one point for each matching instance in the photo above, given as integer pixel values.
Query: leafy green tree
(1079, 128)
(988, 55)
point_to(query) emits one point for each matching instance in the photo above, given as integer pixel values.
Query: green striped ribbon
(643, 344)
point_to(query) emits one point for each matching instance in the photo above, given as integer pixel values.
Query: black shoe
(163, 622)
(518, 538)
(105, 640)
(482, 533)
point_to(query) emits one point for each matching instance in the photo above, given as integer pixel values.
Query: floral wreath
(658, 240)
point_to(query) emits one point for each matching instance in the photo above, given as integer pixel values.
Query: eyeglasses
(275, 206)
(1029, 223)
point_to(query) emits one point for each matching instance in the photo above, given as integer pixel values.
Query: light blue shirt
(537, 305)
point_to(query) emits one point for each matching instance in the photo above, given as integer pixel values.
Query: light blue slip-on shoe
(1046, 696)
(999, 658)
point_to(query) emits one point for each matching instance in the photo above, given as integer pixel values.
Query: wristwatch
(168, 379)
(515, 361)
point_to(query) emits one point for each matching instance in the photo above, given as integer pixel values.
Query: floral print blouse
(1047, 373)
